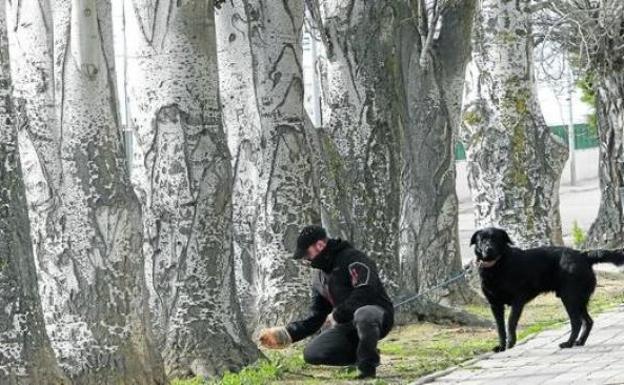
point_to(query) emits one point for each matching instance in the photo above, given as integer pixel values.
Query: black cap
(308, 236)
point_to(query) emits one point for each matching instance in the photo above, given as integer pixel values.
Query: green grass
(415, 350)
(578, 235)
(264, 371)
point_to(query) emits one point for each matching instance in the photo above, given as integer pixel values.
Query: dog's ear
(473, 240)
(506, 238)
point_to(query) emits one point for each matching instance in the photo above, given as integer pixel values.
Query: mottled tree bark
(515, 162)
(173, 100)
(361, 138)
(393, 89)
(608, 228)
(285, 199)
(26, 357)
(433, 66)
(31, 45)
(91, 260)
(242, 125)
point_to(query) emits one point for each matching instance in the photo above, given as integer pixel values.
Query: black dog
(511, 276)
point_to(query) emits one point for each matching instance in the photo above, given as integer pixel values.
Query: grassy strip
(412, 351)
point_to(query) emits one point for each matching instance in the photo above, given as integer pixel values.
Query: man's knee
(370, 314)
(368, 321)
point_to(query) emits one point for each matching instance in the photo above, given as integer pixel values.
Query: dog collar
(487, 264)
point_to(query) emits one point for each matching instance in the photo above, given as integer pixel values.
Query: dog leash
(443, 284)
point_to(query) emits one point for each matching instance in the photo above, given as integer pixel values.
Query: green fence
(584, 138)
(460, 151)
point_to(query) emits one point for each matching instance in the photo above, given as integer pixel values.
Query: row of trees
(105, 280)
(102, 251)
(517, 186)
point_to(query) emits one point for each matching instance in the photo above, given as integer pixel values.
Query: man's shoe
(366, 373)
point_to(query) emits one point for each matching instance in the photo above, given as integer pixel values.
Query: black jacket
(345, 281)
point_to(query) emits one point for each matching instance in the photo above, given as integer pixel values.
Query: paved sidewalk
(540, 361)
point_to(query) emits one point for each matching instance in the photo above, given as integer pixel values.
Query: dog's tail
(615, 257)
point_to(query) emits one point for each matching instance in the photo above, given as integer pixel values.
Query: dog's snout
(486, 248)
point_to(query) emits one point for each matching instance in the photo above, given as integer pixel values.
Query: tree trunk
(92, 289)
(30, 38)
(242, 125)
(174, 106)
(31, 44)
(515, 162)
(361, 178)
(434, 77)
(608, 228)
(26, 357)
(285, 199)
(394, 104)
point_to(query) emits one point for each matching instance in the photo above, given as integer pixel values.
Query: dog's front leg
(498, 309)
(514, 316)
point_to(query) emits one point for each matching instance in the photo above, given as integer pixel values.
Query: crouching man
(347, 297)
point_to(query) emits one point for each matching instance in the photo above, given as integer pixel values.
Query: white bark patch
(242, 125)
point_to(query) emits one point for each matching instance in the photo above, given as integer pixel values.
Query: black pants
(350, 343)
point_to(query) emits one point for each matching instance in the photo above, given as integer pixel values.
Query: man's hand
(330, 322)
(275, 338)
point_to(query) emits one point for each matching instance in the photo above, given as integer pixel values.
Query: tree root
(424, 310)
